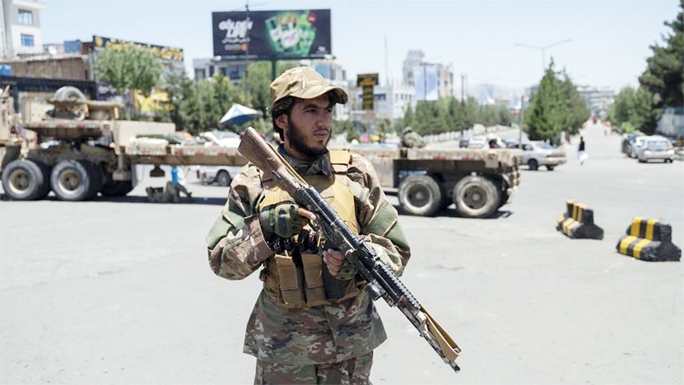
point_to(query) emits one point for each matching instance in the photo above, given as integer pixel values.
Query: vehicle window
(545, 146)
(527, 147)
(658, 145)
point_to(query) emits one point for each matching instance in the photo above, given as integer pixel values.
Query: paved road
(119, 291)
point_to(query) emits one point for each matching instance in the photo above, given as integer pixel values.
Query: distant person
(493, 143)
(410, 138)
(581, 151)
(178, 181)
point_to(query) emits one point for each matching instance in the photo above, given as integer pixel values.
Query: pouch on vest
(312, 265)
(290, 280)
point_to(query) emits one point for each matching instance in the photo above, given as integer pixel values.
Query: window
(26, 40)
(25, 17)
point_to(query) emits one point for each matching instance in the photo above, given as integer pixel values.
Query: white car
(222, 175)
(540, 153)
(637, 145)
(656, 148)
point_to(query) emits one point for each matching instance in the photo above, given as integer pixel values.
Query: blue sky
(610, 39)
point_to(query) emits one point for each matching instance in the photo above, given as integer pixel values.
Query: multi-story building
(20, 33)
(444, 75)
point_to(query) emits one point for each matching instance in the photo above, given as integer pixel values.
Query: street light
(543, 49)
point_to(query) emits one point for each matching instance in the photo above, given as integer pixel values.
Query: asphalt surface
(118, 291)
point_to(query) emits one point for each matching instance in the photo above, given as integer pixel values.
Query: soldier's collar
(320, 165)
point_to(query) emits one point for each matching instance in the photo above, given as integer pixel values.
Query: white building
(20, 33)
(389, 102)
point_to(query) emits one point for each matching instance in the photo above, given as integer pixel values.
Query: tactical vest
(296, 278)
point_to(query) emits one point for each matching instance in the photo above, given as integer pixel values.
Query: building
(389, 102)
(20, 33)
(597, 100)
(437, 77)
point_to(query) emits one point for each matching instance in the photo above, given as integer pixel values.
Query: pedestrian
(581, 151)
(178, 182)
(298, 333)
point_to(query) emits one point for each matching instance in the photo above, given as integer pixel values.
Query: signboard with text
(272, 34)
(366, 82)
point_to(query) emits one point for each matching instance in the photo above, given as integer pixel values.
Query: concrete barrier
(578, 222)
(649, 240)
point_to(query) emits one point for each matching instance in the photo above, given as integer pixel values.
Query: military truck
(427, 180)
(84, 148)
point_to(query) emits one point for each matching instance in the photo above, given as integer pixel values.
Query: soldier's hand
(333, 259)
(284, 219)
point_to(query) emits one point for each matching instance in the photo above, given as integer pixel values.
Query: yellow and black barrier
(649, 240)
(578, 222)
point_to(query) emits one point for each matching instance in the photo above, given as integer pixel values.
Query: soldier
(410, 138)
(297, 331)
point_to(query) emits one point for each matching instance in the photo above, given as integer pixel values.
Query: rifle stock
(381, 280)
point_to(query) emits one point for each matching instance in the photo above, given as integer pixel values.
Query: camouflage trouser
(354, 371)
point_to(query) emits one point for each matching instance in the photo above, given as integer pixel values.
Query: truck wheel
(26, 180)
(419, 195)
(223, 178)
(533, 164)
(71, 180)
(476, 197)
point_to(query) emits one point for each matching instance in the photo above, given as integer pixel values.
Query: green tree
(547, 114)
(665, 69)
(633, 110)
(578, 112)
(130, 68)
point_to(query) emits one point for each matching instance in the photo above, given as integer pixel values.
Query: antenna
(386, 65)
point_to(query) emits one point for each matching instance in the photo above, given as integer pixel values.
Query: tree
(129, 67)
(633, 110)
(578, 112)
(547, 114)
(664, 75)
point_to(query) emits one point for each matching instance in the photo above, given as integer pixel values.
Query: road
(119, 291)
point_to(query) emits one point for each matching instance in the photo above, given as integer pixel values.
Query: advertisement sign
(426, 81)
(366, 82)
(163, 53)
(272, 34)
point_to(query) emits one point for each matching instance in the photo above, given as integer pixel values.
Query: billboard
(272, 34)
(170, 57)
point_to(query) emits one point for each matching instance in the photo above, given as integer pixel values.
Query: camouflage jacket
(319, 334)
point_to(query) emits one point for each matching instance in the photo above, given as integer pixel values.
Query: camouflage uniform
(410, 138)
(337, 339)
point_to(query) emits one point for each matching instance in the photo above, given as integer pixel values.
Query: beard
(295, 137)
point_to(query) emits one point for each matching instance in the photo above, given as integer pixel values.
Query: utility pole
(522, 121)
(247, 55)
(462, 89)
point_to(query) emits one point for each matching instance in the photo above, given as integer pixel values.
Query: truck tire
(26, 180)
(419, 195)
(223, 178)
(476, 197)
(71, 180)
(533, 164)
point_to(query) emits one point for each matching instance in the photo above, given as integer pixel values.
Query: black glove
(282, 220)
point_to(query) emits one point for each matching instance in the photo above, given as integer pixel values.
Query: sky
(485, 41)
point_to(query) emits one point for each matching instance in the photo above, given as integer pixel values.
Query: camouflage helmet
(304, 83)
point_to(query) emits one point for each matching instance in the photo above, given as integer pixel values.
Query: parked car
(477, 142)
(636, 145)
(628, 143)
(538, 153)
(222, 175)
(656, 148)
(463, 142)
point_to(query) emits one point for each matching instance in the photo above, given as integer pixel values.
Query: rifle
(381, 280)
